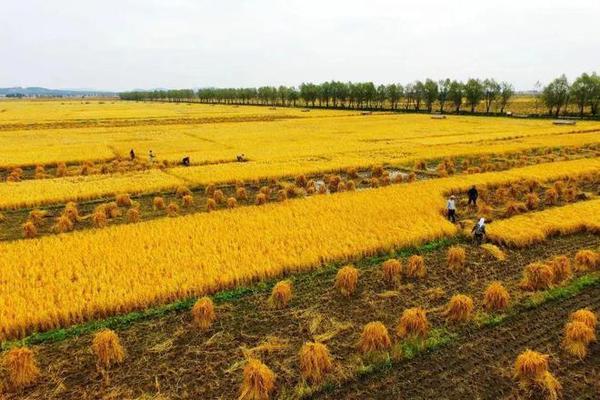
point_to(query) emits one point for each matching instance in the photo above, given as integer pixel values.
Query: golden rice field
(544, 208)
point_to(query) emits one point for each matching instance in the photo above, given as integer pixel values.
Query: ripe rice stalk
(537, 276)
(231, 202)
(63, 224)
(133, 215)
(21, 367)
(61, 170)
(484, 210)
(531, 370)
(456, 257)
(209, 190)
(350, 186)
(29, 230)
(411, 177)
(281, 294)
(281, 195)
(261, 199)
(514, 208)
(99, 219)
(413, 324)
(37, 217)
(586, 260)
(459, 309)
(346, 280)
(420, 165)
(187, 200)
(71, 212)
(172, 209)
(204, 313)
(265, 190)
(392, 272)
(570, 194)
(374, 338)
(551, 196)
(377, 171)
(158, 203)
(586, 316)
(494, 251)
(258, 381)
(577, 338)
(496, 297)
(352, 173)
(219, 196)
(240, 194)
(561, 269)
(182, 191)
(107, 347)
(435, 294)
(123, 200)
(385, 180)
(415, 268)
(211, 205)
(374, 182)
(341, 187)
(532, 201)
(301, 181)
(315, 362)
(559, 186)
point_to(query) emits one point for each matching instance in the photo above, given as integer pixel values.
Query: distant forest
(421, 96)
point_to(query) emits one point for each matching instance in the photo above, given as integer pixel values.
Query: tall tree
(491, 91)
(430, 93)
(473, 93)
(456, 92)
(581, 91)
(506, 93)
(556, 94)
(443, 89)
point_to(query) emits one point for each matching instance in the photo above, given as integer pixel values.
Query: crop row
(55, 281)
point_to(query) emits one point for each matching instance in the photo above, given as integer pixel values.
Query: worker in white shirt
(451, 206)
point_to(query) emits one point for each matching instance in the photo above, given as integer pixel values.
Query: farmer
(151, 157)
(479, 231)
(473, 195)
(451, 206)
(186, 161)
(241, 157)
(132, 154)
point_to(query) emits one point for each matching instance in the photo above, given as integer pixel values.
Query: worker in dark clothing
(186, 161)
(473, 195)
(132, 154)
(478, 231)
(241, 157)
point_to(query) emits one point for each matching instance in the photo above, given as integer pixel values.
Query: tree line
(441, 96)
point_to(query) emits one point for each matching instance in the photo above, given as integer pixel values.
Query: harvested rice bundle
(21, 366)
(561, 269)
(158, 203)
(172, 209)
(123, 200)
(203, 313)
(301, 181)
(258, 382)
(63, 224)
(532, 201)
(261, 199)
(133, 215)
(218, 196)
(240, 194)
(537, 276)
(187, 200)
(459, 309)
(231, 202)
(182, 191)
(99, 218)
(346, 280)
(577, 338)
(315, 361)
(415, 267)
(374, 337)
(494, 251)
(392, 272)
(108, 349)
(456, 257)
(211, 205)
(531, 370)
(496, 297)
(413, 324)
(281, 294)
(586, 260)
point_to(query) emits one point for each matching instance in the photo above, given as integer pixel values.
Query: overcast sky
(126, 44)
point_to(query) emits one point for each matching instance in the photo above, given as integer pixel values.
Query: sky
(128, 44)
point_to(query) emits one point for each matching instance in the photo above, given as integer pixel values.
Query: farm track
(479, 365)
(168, 352)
